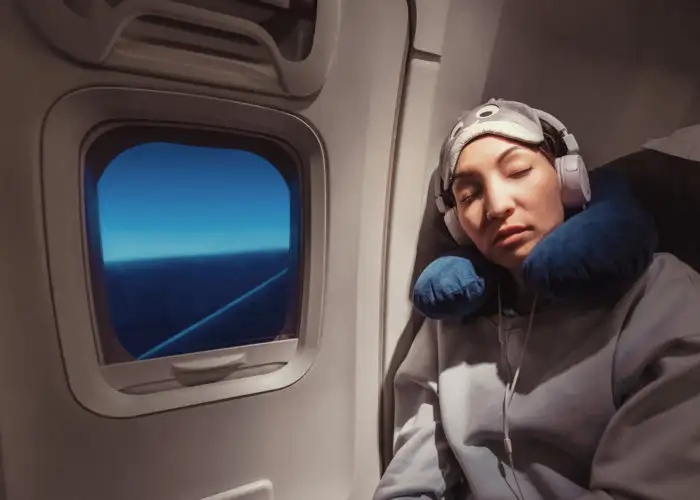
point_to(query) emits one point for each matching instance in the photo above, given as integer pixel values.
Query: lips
(509, 234)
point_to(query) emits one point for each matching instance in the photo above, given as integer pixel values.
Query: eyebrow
(499, 159)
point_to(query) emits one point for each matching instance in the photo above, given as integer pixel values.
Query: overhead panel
(282, 47)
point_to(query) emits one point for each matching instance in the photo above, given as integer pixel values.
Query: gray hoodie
(607, 405)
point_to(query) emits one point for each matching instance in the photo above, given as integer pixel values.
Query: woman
(565, 398)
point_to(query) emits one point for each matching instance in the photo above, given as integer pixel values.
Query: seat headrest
(668, 186)
(684, 143)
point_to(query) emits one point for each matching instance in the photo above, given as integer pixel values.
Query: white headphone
(571, 172)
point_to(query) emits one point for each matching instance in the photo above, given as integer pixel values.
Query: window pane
(197, 248)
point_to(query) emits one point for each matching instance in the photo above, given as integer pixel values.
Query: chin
(512, 259)
(510, 262)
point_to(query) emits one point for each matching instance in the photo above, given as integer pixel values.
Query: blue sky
(167, 200)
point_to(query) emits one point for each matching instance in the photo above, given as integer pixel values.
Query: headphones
(571, 173)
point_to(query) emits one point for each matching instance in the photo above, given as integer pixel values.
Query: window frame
(72, 126)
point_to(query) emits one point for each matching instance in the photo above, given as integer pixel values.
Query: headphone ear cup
(573, 180)
(455, 228)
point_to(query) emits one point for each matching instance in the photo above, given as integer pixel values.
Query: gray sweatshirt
(607, 405)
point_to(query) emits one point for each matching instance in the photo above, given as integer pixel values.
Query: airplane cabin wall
(315, 439)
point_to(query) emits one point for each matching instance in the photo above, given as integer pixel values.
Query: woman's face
(507, 198)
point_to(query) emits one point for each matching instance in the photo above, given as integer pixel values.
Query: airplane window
(198, 249)
(186, 245)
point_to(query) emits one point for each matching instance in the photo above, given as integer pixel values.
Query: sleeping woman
(562, 360)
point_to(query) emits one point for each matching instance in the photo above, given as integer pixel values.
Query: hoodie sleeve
(651, 447)
(423, 466)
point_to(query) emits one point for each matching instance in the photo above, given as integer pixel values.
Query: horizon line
(183, 256)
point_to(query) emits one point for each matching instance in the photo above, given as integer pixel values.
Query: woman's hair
(553, 145)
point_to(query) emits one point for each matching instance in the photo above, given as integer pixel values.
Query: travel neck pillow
(604, 247)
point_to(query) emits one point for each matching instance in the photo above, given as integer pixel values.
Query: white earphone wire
(512, 384)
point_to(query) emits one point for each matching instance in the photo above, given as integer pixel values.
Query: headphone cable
(511, 386)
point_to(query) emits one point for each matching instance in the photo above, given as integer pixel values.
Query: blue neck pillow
(605, 247)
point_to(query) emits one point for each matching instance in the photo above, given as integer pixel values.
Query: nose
(499, 204)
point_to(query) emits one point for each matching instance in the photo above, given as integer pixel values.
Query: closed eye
(468, 197)
(521, 173)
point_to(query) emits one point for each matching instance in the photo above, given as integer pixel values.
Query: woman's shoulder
(667, 270)
(662, 308)
(668, 285)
